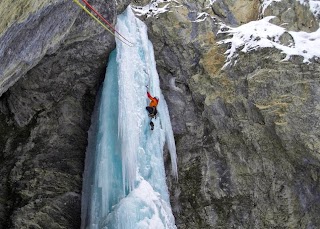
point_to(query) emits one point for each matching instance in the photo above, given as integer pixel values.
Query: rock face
(247, 135)
(292, 15)
(55, 55)
(248, 139)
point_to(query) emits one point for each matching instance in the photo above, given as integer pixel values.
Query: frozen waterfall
(124, 179)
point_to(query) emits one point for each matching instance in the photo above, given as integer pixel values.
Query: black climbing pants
(152, 111)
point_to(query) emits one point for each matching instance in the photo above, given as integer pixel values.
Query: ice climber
(152, 108)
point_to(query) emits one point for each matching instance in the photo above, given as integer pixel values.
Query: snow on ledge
(152, 9)
(261, 34)
(315, 8)
(201, 17)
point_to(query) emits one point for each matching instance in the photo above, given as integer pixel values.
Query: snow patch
(262, 34)
(315, 8)
(201, 17)
(152, 9)
(211, 2)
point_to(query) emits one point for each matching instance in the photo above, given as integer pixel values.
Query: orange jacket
(153, 102)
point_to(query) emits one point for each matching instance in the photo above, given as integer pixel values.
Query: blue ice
(124, 179)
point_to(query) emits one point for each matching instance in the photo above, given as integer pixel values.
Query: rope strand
(105, 27)
(104, 20)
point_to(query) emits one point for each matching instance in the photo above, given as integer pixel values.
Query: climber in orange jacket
(152, 108)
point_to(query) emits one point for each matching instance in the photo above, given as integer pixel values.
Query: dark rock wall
(57, 55)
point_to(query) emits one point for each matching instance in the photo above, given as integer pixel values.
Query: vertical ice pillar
(103, 183)
(124, 180)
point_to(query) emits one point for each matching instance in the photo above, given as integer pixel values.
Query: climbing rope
(103, 25)
(104, 20)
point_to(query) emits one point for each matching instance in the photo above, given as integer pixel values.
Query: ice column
(124, 180)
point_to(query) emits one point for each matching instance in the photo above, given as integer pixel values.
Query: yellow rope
(95, 18)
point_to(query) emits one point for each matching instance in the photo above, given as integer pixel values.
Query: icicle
(165, 120)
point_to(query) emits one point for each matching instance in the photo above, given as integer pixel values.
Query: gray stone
(251, 154)
(292, 15)
(46, 114)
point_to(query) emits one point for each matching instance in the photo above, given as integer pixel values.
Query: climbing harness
(123, 40)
